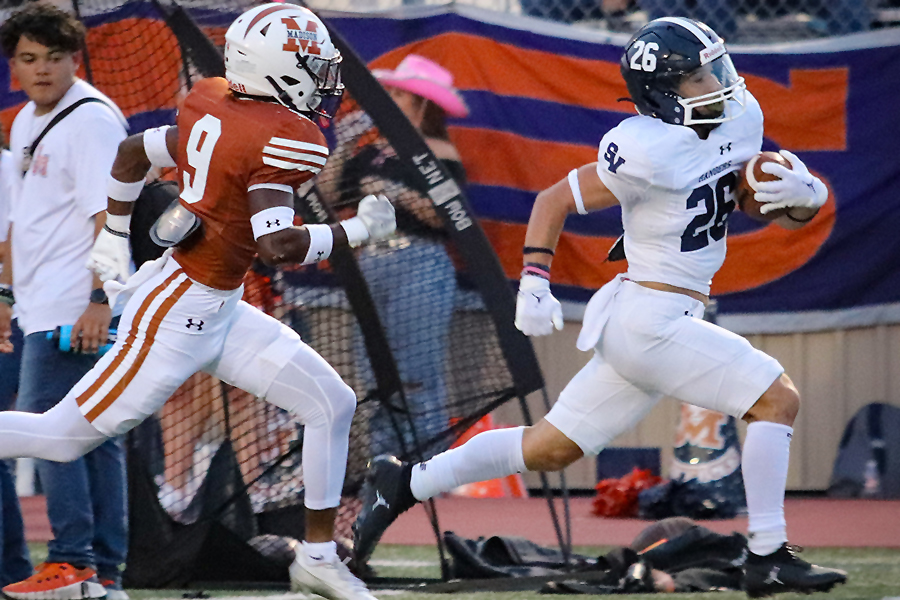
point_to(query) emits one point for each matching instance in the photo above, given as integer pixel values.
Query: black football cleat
(385, 496)
(784, 571)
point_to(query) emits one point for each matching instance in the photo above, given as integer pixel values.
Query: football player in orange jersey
(241, 146)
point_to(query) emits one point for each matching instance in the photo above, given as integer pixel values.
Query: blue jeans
(413, 286)
(86, 498)
(15, 564)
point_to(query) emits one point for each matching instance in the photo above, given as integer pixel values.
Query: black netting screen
(216, 477)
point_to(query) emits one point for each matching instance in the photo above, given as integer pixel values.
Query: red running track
(811, 522)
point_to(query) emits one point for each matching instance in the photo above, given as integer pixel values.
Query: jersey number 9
(204, 135)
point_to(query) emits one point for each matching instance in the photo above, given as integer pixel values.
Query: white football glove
(797, 188)
(374, 220)
(110, 257)
(537, 311)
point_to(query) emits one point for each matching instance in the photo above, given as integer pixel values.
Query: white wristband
(271, 220)
(321, 242)
(576, 192)
(356, 231)
(156, 149)
(123, 191)
(119, 223)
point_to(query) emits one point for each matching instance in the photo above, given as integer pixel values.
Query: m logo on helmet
(300, 39)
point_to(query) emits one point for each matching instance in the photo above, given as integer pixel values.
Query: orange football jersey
(226, 148)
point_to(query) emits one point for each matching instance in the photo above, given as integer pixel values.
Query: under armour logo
(423, 466)
(614, 161)
(725, 148)
(773, 576)
(380, 501)
(320, 255)
(198, 325)
(275, 223)
(811, 186)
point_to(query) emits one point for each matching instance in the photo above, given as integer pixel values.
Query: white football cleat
(332, 580)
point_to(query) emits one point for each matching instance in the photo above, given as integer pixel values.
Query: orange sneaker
(57, 581)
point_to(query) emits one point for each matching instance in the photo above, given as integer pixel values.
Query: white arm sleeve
(576, 192)
(156, 148)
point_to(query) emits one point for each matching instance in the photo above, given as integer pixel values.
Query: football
(750, 175)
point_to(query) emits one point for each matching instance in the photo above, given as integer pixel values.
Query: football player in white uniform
(673, 169)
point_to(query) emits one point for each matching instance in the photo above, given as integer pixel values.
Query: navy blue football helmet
(658, 58)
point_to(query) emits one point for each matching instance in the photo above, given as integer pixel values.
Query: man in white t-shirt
(57, 209)
(673, 169)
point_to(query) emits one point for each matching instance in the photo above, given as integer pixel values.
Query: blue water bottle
(62, 339)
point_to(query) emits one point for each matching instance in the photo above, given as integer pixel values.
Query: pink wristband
(536, 271)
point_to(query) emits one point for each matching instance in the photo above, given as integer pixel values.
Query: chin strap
(283, 96)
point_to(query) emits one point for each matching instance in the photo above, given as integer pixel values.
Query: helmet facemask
(327, 89)
(724, 104)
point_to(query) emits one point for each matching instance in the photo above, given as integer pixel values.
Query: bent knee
(779, 404)
(545, 448)
(341, 400)
(558, 459)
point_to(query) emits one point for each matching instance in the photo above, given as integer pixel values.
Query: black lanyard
(28, 153)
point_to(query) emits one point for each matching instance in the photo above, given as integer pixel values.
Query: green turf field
(874, 574)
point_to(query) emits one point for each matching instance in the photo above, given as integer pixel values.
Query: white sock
(488, 455)
(321, 552)
(767, 450)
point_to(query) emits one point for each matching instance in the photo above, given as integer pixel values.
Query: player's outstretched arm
(279, 242)
(554, 204)
(110, 257)
(537, 311)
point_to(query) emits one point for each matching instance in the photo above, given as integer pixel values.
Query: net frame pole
(472, 243)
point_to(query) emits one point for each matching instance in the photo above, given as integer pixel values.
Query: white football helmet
(284, 51)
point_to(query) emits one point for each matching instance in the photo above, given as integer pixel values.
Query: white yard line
(415, 564)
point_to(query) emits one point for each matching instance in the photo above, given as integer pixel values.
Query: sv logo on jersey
(299, 39)
(611, 157)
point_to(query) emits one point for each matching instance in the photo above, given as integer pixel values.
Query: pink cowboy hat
(425, 78)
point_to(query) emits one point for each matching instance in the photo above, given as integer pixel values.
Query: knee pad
(342, 400)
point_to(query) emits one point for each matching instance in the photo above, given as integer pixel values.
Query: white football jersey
(677, 192)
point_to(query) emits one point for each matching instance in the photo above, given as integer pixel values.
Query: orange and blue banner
(541, 96)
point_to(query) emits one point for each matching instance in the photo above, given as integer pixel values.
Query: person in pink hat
(424, 92)
(410, 276)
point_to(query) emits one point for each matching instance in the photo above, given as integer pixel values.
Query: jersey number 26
(713, 222)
